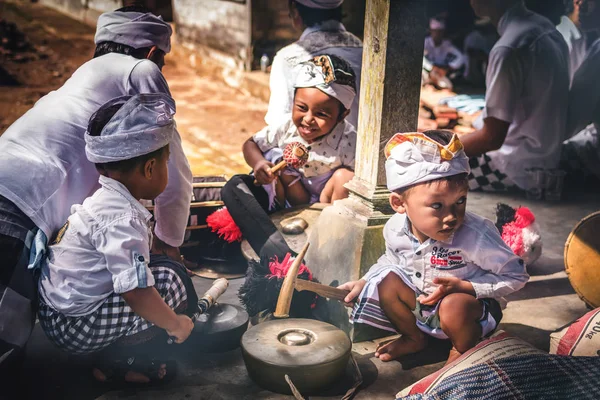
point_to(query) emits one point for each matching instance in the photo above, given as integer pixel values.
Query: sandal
(116, 371)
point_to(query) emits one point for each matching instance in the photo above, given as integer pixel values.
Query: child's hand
(355, 287)
(183, 328)
(262, 172)
(447, 285)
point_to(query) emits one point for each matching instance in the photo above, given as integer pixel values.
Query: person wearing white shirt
(444, 271)
(526, 99)
(97, 284)
(440, 51)
(44, 171)
(584, 117)
(323, 32)
(570, 29)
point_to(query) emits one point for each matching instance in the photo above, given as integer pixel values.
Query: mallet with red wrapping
(295, 155)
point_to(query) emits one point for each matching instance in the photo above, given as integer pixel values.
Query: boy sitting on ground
(444, 269)
(97, 287)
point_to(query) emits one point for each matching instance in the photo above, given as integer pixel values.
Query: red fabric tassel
(512, 235)
(280, 269)
(524, 217)
(223, 224)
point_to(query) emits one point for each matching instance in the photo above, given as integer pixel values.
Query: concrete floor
(546, 304)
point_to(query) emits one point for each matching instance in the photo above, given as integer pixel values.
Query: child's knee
(393, 289)
(342, 176)
(459, 308)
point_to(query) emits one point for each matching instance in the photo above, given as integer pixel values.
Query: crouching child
(99, 293)
(444, 270)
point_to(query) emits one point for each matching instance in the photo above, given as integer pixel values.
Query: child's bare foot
(132, 376)
(399, 347)
(454, 354)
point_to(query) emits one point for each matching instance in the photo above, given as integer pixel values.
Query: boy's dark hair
(97, 123)
(442, 137)
(134, 8)
(113, 47)
(313, 16)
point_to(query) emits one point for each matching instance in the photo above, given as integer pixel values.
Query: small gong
(312, 353)
(220, 328)
(293, 226)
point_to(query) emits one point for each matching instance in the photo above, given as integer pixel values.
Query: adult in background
(570, 28)
(440, 51)
(584, 109)
(526, 99)
(44, 169)
(322, 32)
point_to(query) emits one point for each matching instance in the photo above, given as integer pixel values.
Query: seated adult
(441, 52)
(584, 109)
(571, 30)
(44, 169)
(322, 32)
(526, 99)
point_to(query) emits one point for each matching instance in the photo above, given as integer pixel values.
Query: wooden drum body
(582, 259)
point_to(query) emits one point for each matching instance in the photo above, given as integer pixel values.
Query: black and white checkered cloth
(486, 177)
(113, 320)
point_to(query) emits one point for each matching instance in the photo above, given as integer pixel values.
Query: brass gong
(582, 259)
(312, 353)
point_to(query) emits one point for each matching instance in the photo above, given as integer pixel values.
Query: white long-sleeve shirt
(576, 42)
(475, 253)
(445, 55)
(103, 248)
(43, 167)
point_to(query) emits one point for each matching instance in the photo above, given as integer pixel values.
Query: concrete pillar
(348, 237)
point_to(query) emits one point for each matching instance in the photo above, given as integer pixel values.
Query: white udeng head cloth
(413, 158)
(134, 29)
(322, 4)
(320, 73)
(142, 125)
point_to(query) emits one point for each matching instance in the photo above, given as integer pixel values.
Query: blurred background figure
(444, 57)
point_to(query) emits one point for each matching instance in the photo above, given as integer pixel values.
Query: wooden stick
(287, 289)
(274, 170)
(322, 290)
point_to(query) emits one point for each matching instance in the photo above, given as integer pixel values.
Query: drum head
(582, 259)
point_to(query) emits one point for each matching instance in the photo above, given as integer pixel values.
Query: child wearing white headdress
(444, 269)
(97, 286)
(325, 89)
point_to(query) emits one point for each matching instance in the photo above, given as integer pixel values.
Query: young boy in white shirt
(444, 268)
(97, 287)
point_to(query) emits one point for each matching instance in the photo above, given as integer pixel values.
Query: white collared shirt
(527, 86)
(584, 96)
(43, 167)
(576, 42)
(334, 150)
(475, 253)
(103, 248)
(283, 68)
(445, 55)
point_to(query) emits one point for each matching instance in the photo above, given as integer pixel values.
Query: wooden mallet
(295, 155)
(292, 282)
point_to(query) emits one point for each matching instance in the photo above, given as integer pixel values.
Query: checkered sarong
(113, 320)
(486, 177)
(540, 376)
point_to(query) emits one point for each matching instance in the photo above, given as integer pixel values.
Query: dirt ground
(213, 119)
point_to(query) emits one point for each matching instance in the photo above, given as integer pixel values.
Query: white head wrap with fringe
(142, 125)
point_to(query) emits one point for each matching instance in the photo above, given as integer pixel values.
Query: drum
(582, 259)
